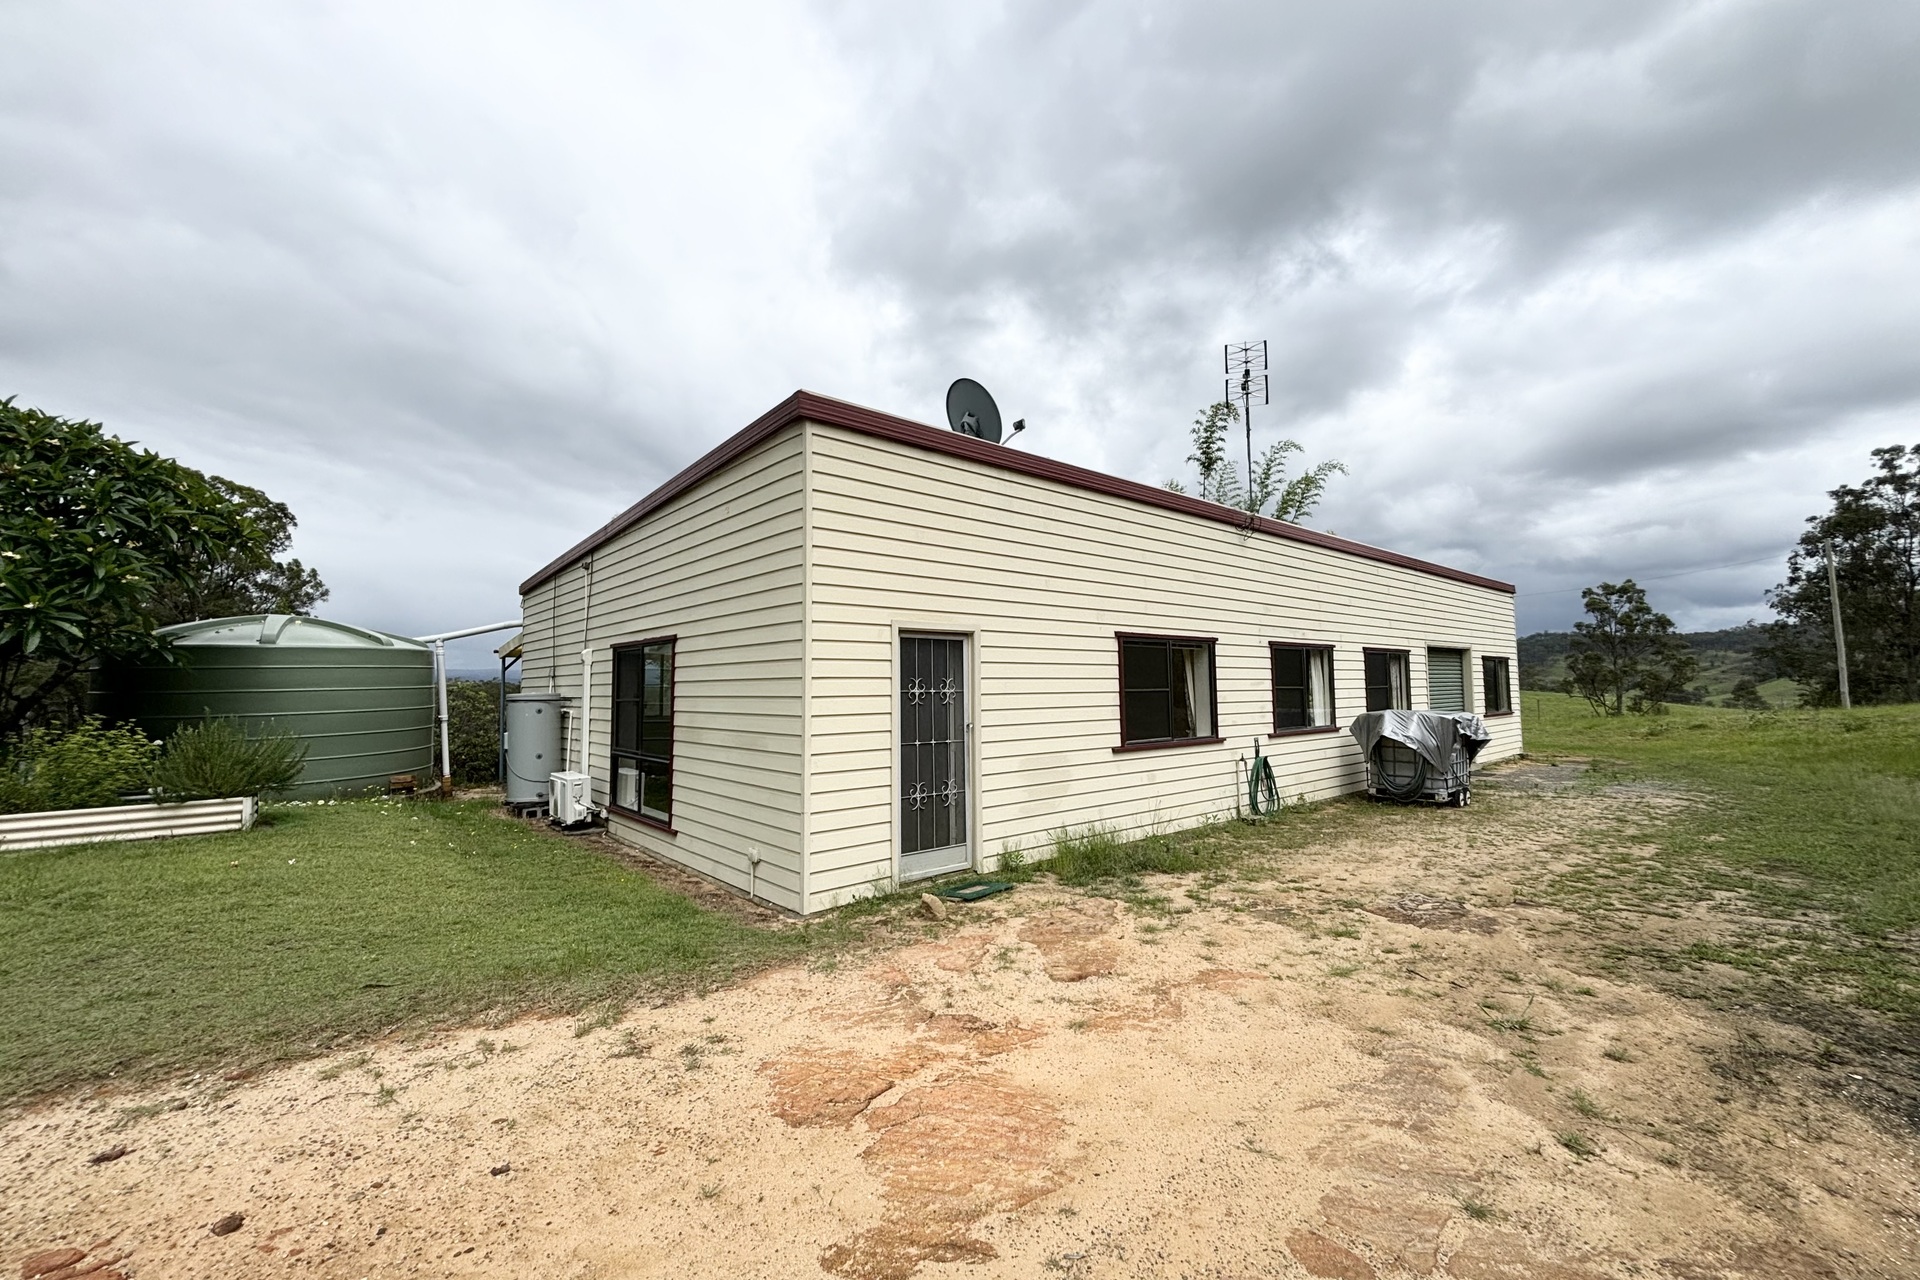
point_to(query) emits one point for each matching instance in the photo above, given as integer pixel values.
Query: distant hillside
(1725, 658)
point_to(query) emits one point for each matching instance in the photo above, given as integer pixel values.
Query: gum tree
(1626, 656)
(1874, 530)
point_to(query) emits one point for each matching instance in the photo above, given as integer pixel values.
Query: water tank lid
(536, 697)
(286, 631)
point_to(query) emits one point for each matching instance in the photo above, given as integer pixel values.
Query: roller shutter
(1447, 679)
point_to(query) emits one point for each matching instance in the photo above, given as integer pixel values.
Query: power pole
(1839, 632)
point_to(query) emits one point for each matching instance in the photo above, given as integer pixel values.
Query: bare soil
(1379, 1059)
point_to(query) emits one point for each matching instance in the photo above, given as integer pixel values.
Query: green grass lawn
(1813, 816)
(338, 921)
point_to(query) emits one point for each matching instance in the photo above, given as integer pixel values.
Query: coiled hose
(1263, 793)
(1413, 789)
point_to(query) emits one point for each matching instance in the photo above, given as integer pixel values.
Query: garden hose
(1263, 793)
(1414, 788)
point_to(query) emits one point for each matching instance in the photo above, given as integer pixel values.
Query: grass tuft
(1093, 854)
(1578, 1143)
(1478, 1210)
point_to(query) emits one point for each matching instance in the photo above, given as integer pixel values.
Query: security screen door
(933, 756)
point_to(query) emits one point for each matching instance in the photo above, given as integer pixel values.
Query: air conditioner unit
(570, 798)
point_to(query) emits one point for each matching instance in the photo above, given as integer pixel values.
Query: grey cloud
(1601, 288)
(1510, 256)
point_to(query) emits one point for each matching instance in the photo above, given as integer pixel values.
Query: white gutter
(439, 643)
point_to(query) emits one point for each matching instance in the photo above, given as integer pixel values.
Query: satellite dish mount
(972, 412)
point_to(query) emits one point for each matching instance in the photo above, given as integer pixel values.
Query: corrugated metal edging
(124, 822)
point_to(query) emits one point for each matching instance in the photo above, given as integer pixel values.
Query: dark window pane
(1145, 665)
(1290, 689)
(1148, 717)
(1181, 710)
(643, 730)
(656, 793)
(1494, 681)
(1379, 682)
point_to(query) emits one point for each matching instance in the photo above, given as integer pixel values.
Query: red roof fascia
(806, 406)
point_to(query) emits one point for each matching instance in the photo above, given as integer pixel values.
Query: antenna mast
(1246, 365)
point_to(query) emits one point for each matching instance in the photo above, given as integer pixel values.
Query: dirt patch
(1074, 940)
(1248, 1075)
(1405, 1232)
(1430, 912)
(1506, 1256)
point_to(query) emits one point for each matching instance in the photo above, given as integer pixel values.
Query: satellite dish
(972, 412)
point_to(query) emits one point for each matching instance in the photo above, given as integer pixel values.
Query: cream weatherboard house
(844, 650)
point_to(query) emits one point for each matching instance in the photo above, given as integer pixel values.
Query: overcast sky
(1576, 290)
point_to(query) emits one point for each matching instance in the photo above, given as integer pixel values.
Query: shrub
(215, 760)
(473, 730)
(88, 767)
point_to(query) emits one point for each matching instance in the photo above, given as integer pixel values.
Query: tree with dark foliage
(99, 541)
(1626, 656)
(244, 577)
(1875, 532)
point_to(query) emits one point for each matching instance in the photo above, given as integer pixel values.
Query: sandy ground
(1362, 1065)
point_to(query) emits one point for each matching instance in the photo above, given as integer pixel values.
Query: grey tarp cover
(1433, 734)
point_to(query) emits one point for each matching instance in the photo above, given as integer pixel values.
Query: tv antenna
(972, 412)
(1247, 382)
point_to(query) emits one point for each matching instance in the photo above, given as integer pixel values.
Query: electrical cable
(1660, 577)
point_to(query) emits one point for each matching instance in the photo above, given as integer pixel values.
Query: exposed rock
(51, 1260)
(1322, 1257)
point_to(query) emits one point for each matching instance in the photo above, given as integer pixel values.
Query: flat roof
(806, 406)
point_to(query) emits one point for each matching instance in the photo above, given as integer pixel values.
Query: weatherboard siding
(720, 568)
(1043, 574)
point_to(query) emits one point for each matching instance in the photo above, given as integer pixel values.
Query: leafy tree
(1875, 530)
(1219, 480)
(1746, 696)
(473, 729)
(95, 536)
(245, 577)
(1625, 656)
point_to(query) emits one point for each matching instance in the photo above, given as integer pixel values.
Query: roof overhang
(805, 406)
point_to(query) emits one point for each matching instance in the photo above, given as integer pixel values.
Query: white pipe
(586, 706)
(440, 680)
(586, 672)
(470, 631)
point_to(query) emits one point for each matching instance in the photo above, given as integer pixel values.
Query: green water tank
(362, 701)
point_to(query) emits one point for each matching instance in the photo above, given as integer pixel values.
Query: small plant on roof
(1270, 491)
